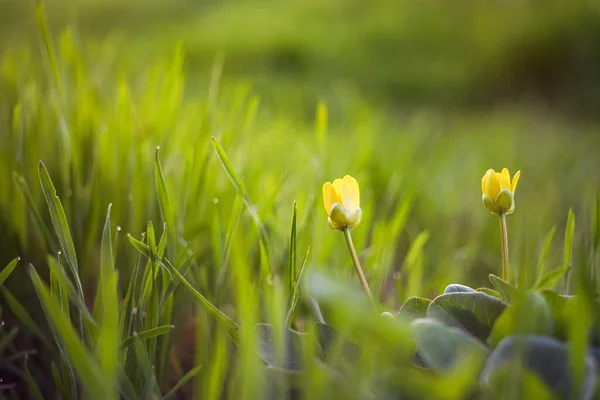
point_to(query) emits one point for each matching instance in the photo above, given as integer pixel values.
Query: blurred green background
(416, 99)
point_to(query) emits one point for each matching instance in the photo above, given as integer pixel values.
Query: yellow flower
(342, 203)
(499, 191)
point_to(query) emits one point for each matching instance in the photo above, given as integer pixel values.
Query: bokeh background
(416, 99)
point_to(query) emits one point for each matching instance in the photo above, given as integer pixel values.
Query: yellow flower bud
(342, 203)
(498, 191)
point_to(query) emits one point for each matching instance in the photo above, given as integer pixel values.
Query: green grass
(163, 213)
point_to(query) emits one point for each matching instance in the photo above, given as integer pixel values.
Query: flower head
(342, 203)
(498, 191)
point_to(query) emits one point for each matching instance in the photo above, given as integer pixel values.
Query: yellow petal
(504, 179)
(515, 181)
(492, 184)
(329, 196)
(350, 194)
(337, 186)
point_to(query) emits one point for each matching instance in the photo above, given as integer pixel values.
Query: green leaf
(475, 312)
(333, 344)
(544, 252)
(268, 350)
(164, 201)
(84, 364)
(21, 183)
(241, 189)
(292, 256)
(23, 316)
(508, 291)
(60, 223)
(8, 270)
(528, 315)
(441, 347)
(139, 246)
(550, 278)
(109, 334)
(413, 308)
(568, 244)
(147, 334)
(34, 390)
(189, 375)
(296, 290)
(151, 388)
(228, 323)
(490, 292)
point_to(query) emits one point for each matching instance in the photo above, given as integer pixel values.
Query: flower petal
(348, 197)
(329, 196)
(504, 179)
(515, 181)
(354, 190)
(492, 184)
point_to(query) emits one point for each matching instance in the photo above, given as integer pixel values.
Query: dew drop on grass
(118, 228)
(397, 275)
(18, 258)
(69, 192)
(215, 200)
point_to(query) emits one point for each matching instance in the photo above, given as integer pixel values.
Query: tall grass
(164, 236)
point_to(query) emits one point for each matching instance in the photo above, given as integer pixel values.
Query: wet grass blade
(8, 270)
(241, 189)
(61, 225)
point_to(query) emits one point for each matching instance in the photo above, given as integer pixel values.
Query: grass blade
(8, 270)
(189, 375)
(292, 253)
(81, 360)
(109, 339)
(296, 291)
(164, 201)
(229, 324)
(147, 334)
(544, 253)
(568, 247)
(241, 189)
(34, 390)
(61, 225)
(23, 316)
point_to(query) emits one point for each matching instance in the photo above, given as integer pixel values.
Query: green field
(161, 173)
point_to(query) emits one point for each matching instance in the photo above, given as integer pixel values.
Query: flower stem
(357, 267)
(504, 241)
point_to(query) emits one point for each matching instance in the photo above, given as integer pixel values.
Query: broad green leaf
(508, 291)
(458, 288)
(268, 350)
(475, 312)
(333, 344)
(442, 347)
(528, 315)
(547, 357)
(82, 361)
(490, 292)
(413, 308)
